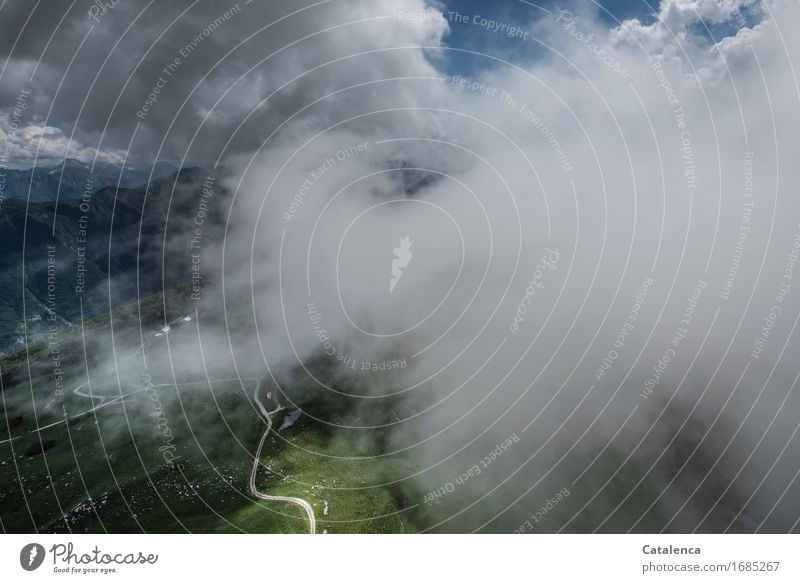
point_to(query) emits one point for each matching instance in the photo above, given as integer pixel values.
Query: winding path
(312, 521)
(105, 400)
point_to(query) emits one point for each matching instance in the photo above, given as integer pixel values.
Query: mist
(554, 281)
(602, 261)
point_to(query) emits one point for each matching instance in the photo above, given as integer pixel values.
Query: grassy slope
(106, 472)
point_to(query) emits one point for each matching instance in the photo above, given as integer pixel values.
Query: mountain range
(68, 180)
(89, 255)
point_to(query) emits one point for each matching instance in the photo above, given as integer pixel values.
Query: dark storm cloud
(172, 68)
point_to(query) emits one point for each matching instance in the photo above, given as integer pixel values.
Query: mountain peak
(72, 163)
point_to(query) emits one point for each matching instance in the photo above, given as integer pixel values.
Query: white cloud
(670, 33)
(34, 145)
(656, 188)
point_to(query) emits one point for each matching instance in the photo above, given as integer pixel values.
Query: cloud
(677, 23)
(559, 192)
(45, 146)
(597, 257)
(208, 67)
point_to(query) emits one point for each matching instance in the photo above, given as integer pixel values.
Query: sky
(69, 60)
(463, 35)
(602, 213)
